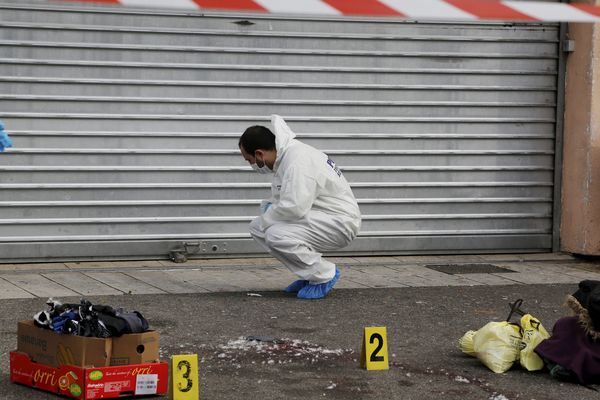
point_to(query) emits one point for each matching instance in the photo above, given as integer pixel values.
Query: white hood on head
(283, 133)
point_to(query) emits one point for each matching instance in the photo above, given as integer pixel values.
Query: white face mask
(261, 170)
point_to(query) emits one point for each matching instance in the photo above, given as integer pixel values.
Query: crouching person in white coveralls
(311, 209)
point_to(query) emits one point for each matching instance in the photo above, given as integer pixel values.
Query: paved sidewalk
(267, 274)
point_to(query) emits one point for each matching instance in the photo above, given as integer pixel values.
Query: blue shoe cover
(319, 290)
(4, 140)
(296, 286)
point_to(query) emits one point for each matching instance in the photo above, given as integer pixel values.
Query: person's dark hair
(257, 137)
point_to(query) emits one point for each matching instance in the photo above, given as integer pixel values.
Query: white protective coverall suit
(312, 208)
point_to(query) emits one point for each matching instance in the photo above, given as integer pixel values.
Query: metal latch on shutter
(181, 254)
(568, 46)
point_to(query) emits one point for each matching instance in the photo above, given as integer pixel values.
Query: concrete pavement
(267, 274)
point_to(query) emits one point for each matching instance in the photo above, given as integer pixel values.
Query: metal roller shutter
(125, 127)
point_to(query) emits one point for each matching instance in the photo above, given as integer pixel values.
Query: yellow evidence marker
(185, 380)
(374, 354)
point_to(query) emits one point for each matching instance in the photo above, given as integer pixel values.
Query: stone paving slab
(125, 283)
(373, 277)
(113, 265)
(456, 259)
(233, 262)
(167, 281)
(532, 279)
(222, 262)
(546, 256)
(375, 260)
(10, 291)
(275, 278)
(346, 283)
(434, 278)
(441, 279)
(528, 256)
(584, 266)
(414, 281)
(533, 274)
(582, 274)
(493, 279)
(575, 270)
(217, 280)
(418, 260)
(81, 283)
(540, 268)
(39, 285)
(26, 267)
(343, 261)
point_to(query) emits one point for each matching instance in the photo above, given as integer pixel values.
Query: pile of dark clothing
(90, 320)
(573, 351)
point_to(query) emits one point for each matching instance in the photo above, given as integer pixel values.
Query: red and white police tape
(456, 10)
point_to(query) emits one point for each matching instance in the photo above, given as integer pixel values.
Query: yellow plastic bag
(465, 343)
(533, 334)
(498, 345)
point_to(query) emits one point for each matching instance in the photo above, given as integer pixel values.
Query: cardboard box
(135, 348)
(91, 383)
(45, 346)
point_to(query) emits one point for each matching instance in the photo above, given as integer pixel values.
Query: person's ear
(260, 153)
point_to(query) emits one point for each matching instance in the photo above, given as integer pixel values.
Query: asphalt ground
(318, 353)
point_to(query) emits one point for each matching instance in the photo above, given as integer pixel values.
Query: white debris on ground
(461, 379)
(253, 294)
(498, 396)
(277, 351)
(331, 386)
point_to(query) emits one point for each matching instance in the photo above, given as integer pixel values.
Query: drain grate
(453, 269)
